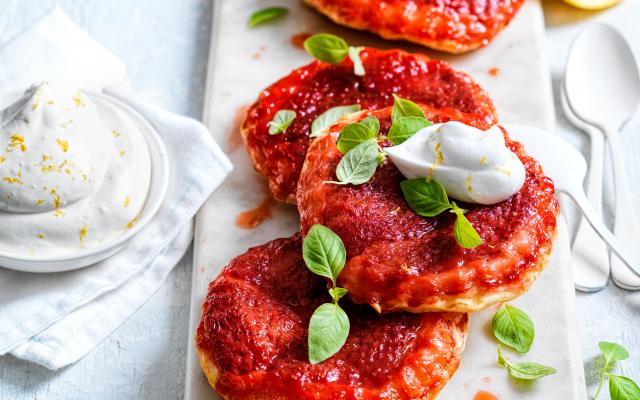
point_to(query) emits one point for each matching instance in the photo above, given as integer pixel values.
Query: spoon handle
(589, 254)
(626, 227)
(621, 250)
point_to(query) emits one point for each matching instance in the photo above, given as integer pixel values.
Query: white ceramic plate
(155, 197)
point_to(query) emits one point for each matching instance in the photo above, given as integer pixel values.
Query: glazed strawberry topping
(315, 88)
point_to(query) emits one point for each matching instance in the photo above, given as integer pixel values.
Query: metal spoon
(589, 254)
(603, 89)
(566, 166)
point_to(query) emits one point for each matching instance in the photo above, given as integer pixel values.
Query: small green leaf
(525, 370)
(426, 198)
(266, 15)
(405, 108)
(372, 123)
(513, 327)
(352, 135)
(354, 55)
(464, 233)
(623, 388)
(337, 293)
(359, 164)
(612, 352)
(328, 331)
(405, 127)
(323, 252)
(330, 117)
(327, 47)
(281, 121)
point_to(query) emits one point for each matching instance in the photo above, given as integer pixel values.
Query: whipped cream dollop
(474, 166)
(75, 171)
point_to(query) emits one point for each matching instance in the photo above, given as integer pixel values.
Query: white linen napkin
(56, 319)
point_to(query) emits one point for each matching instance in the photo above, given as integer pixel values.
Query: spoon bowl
(601, 77)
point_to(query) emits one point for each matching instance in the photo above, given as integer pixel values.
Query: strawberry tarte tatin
(454, 26)
(252, 339)
(319, 86)
(399, 260)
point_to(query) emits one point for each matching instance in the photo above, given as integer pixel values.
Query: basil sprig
(427, 197)
(330, 117)
(524, 370)
(333, 49)
(267, 15)
(620, 387)
(359, 164)
(513, 327)
(324, 254)
(281, 122)
(407, 118)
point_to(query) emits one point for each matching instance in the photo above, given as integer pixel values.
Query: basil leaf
(352, 135)
(354, 55)
(464, 233)
(513, 327)
(623, 388)
(426, 198)
(266, 15)
(359, 164)
(330, 117)
(337, 293)
(405, 127)
(612, 352)
(405, 108)
(525, 370)
(327, 47)
(281, 121)
(372, 124)
(323, 252)
(328, 331)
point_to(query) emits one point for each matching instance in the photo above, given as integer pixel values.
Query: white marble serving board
(243, 61)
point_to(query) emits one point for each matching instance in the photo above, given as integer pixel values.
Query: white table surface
(165, 45)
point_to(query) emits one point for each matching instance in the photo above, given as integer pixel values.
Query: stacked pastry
(369, 300)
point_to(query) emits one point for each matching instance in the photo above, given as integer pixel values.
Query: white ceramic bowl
(155, 197)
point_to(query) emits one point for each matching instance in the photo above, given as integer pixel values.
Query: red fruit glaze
(454, 26)
(254, 332)
(398, 260)
(313, 89)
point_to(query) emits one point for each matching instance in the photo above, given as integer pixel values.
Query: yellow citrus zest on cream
(126, 201)
(83, 233)
(36, 99)
(77, 100)
(2, 159)
(58, 213)
(46, 157)
(439, 159)
(115, 133)
(16, 141)
(56, 199)
(504, 170)
(483, 160)
(121, 153)
(131, 223)
(468, 183)
(64, 145)
(12, 180)
(40, 235)
(39, 202)
(51, 102)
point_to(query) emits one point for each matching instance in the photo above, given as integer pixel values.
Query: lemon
(593, 4)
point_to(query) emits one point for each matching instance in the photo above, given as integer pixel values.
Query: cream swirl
(75, 171)
(474, 166)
